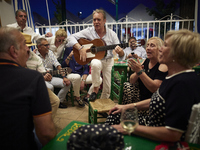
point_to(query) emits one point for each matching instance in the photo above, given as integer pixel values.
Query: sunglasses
(59, 40)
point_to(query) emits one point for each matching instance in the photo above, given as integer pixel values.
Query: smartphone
(132, 53)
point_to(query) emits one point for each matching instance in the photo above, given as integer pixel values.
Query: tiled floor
(66, 115)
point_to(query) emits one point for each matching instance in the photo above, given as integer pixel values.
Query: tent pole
(48, 15)
(116, 4)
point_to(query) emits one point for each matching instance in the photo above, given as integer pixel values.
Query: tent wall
(7, 14)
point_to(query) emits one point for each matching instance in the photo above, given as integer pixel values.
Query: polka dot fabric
(156, 112)
(96, 137)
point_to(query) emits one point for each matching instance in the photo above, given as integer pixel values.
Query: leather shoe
(61, 105)
(80, 102)
(93, 96)
(86, 100)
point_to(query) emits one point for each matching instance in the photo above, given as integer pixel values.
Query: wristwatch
(83, 80)
(140, 72)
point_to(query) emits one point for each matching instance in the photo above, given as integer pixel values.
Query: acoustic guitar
(62, 71)
(97, 49)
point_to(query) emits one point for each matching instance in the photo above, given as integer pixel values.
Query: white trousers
(76, 82)
(58, 83)
(105, 66)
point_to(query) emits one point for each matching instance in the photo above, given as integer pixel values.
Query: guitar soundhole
(93, 49)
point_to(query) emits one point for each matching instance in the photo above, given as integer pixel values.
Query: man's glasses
(46, 45)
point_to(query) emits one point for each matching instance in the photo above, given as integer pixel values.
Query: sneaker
(86, 100)
(80, 102)
(93, 96)
(62, 105)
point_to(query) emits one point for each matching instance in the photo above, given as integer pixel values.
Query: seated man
(34, 62)
(79, 76)
(24, 101)
(21, 18)
(132, 51)
(49, 61)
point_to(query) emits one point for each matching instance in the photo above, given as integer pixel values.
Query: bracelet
(135, 105)
(140, 72)
(80, 48)
(68, 58)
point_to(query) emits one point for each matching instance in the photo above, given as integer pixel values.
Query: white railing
(139, 29)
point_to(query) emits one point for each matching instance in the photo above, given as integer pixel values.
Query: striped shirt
(34, 62)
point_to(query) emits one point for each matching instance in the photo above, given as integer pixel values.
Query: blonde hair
(61, 33)
(99, 11)
(159, 42)
(185, 47)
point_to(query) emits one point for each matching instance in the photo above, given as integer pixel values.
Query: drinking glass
(129, 121)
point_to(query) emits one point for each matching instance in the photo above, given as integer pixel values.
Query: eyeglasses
(46, 45)
(59, 40)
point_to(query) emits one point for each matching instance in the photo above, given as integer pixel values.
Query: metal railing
(126, 28)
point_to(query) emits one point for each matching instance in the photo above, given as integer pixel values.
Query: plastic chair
(104, 105)
(193, 132)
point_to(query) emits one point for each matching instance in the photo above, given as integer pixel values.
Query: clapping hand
(135, 66)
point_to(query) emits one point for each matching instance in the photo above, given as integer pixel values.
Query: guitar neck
(52, 72)
(65, 70)
(104, 48)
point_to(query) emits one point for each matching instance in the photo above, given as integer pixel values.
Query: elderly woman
(149, 74)
(170, 106)
(57, 43)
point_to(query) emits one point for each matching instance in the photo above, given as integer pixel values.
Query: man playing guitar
(98, 31)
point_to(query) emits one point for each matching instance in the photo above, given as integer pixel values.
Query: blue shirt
(76, 68)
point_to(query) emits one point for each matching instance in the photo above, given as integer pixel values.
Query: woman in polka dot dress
(170, 106)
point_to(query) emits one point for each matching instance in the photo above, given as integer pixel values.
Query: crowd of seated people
(165, 79)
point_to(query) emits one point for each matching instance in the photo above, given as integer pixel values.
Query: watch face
(140, 72)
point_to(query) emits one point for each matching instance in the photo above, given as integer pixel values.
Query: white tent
(7, 14)
(139, 14)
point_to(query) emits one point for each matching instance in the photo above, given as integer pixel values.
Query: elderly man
(24, 101)
(49, 61)
(21, 18)
(133, 51)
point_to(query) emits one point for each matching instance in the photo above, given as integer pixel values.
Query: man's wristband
(140, 72)
(80, 48)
